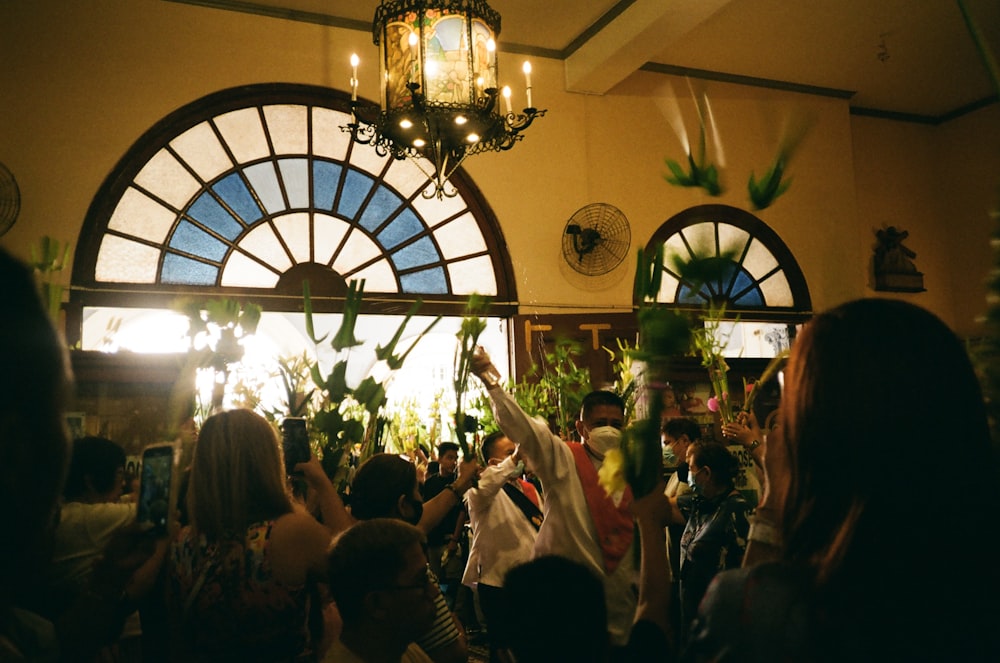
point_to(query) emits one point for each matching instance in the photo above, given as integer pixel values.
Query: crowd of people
(835, 553)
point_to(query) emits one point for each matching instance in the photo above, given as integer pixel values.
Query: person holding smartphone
(241, 573)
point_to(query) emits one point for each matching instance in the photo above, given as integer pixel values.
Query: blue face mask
(695, 488)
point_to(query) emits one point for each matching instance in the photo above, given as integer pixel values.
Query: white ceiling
(913, 57)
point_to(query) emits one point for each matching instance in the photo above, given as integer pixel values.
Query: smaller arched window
(760, 279)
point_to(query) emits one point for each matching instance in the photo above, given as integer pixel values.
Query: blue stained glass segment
(421, 252)
(326, 175)
(207, 211)
(182, 270)
(382, 205)
(686, 295)
(234, 192)
(295, 175)
(192, 239)
(402, 228)
(356, 188)
(429, 281)
(752, 297)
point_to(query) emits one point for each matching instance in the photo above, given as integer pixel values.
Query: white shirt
(568, 529)
(80, 537)
(502, 536)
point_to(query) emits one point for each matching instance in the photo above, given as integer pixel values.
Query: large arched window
(248, 191)
(245, 193)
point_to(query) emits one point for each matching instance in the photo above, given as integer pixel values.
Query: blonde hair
(237, 475)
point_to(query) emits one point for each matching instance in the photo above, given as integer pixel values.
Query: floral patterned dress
(227, 605)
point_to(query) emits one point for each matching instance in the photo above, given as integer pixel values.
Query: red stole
(530, 492)
(613, 523)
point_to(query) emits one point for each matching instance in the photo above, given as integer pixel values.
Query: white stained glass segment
(406, 177)
(121, 260)
(263, 243)
(460, 237)
(473, 275)
(327, 138)
(668, 289)
(759, 260)
(358, 249)
(366, 159)
(777, 291)
(241, 271)
(701, 237)
(329, 233)
(264, 181)
(434, 210)
(295, 176)
(379, 277)
(674, 246)
(140, 216)
(288, 128)
(732, 239)
(243, 133)
(294, 229)
(168, 179)
(200, 148)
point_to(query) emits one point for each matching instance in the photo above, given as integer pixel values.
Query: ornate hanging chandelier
(439, 88)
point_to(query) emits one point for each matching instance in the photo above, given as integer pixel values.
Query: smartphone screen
(294, 442)
(155, 486)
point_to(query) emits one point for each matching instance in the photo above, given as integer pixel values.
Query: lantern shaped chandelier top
(440, 94)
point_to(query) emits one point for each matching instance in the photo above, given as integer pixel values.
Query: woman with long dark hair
(881, 500)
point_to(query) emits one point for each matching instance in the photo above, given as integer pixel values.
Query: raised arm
(539, 447)
(436, 508)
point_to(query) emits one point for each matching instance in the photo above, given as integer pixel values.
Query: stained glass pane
(328, 234)
(402, 228)
(263, 243)
(140, 216)
(209, 213)
(328, 140)
(421, 252)
(181, 270)
(460, 237)
(295, 175)
(379, 277)
(236, 195)
(192, 239)
(382, 205)
(430, 281)
(168, 179)
(264, 181)
(294, 229)
(356, 188)
(358, 250)
(288, 128)
(326, 175)
(244, 134)
(241, 271)
(200, 149)
(124, 261)
(475, 275)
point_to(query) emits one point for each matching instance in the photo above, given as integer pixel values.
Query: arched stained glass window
(250, 190)
(760, 278)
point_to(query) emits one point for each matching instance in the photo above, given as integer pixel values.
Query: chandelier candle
(527, 80)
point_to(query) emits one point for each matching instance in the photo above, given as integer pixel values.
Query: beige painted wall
(81, 81)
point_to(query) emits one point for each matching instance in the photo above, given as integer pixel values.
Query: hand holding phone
(294, 443)
(157, 487)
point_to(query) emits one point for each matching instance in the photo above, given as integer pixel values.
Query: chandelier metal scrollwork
(440, 96)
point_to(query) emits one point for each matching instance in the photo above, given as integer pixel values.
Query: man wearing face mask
(505, 513)
(581, 521)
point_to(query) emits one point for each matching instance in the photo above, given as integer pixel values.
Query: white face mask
(604, 438)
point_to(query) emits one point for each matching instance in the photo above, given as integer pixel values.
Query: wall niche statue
(893, 263)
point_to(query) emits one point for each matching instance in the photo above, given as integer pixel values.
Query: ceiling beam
(631, 40)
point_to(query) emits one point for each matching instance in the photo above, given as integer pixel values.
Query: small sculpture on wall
(893, 262)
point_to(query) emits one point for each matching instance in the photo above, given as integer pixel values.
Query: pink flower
(713, 404)
(750, 386)
(725, 395)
